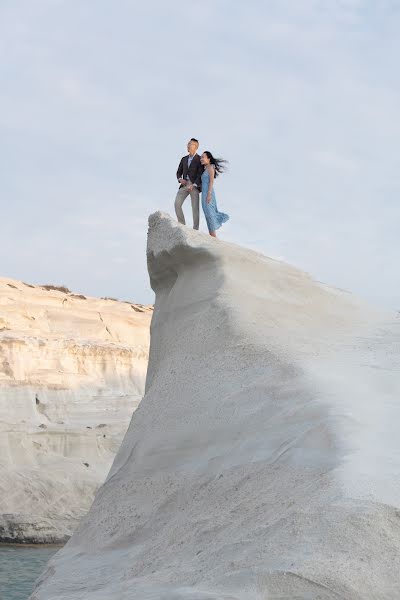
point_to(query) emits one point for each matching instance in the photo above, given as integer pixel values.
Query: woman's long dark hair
(219, 163)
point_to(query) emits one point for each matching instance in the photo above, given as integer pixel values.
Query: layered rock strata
(72, 371)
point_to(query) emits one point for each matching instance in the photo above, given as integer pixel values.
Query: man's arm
(199, 173)
(179, 172)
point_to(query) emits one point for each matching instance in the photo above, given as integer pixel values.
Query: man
(189, 176)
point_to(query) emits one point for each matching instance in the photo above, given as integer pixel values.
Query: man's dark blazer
(193, 172)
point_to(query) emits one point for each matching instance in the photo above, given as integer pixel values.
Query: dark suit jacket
(193, 172)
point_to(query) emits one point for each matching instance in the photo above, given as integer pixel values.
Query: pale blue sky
(99, 97)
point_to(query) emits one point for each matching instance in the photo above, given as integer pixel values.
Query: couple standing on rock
(197, 174)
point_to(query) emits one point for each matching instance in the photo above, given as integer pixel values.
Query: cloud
(302, 98)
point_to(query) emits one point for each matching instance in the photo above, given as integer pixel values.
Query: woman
(212, 168)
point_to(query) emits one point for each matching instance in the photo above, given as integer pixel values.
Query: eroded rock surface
(264, 459)
(72, 371)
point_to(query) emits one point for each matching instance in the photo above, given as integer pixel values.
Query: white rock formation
(264, 459)
(72, 370)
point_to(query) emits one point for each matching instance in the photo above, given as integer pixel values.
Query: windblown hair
(219, 163)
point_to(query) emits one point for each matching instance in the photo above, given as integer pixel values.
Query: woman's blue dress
(214, 218)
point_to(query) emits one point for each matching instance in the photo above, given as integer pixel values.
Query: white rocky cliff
(72, 370)
(264, 460)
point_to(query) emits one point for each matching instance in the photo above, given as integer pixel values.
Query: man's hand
(182, 181)
(189, 187)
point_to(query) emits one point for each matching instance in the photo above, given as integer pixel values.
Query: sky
(98, 99)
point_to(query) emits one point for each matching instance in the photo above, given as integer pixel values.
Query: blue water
(19, 568)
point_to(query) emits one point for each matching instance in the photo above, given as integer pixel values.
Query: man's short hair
(194, 140)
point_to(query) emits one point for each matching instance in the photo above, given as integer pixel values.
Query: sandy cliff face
(72, 370)
(263, 460)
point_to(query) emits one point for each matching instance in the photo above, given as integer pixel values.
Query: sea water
(19, 568)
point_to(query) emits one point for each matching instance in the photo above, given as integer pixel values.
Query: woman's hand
(208, 197)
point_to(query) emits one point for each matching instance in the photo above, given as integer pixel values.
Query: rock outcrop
(263, 460)
(72, 370)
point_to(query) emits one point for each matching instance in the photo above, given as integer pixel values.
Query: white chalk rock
(264, 459)
(72, 370)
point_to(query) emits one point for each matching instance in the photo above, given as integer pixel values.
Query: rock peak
(263, 461)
